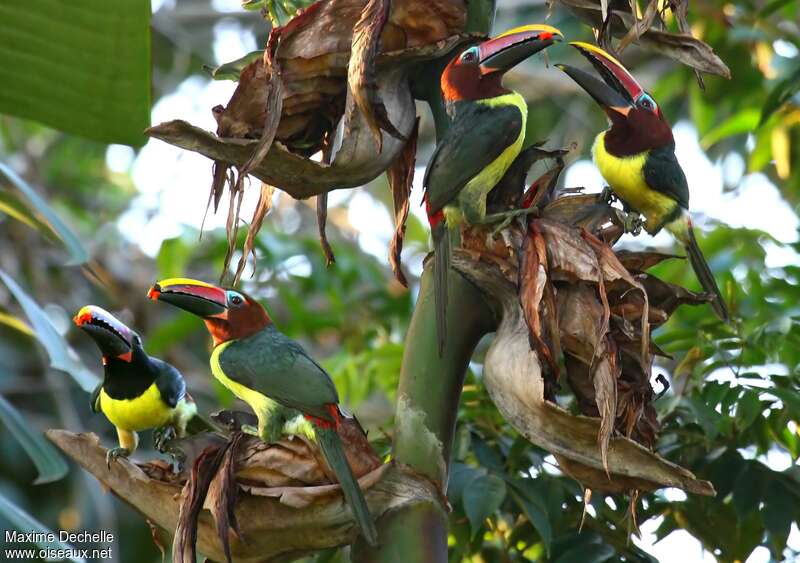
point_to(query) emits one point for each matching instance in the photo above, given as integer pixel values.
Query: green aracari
(138, 392)
(636, 156)
(273, 374)
(487, 129)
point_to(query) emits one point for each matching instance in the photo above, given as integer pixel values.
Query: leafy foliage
(79, 66)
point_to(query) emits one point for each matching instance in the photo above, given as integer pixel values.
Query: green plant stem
(427, 406)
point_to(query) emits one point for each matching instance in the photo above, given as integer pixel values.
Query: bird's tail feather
(441, 267)
(704, 274)
(331, 446)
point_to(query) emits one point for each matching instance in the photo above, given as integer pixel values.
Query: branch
(269, 528)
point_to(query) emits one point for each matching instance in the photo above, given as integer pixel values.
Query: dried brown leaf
(604, 379)
(667, 297)
(262, 209)
(220, 499)
(642, 260)
(322, 221)
(584, 210)
(532, 283)
(192, 497)
(679, 46)
(613, 271)
(639, 26)
(542, 189)
(401, 179)
(580, 321)
(361, 75)
(569, 258)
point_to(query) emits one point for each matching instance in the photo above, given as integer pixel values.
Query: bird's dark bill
(198, 298)
(113, 337)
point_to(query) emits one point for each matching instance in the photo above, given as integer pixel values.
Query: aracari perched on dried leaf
(262, 498)
(568, 303)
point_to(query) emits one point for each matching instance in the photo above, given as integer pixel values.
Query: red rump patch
(325, 423)
(433, 218)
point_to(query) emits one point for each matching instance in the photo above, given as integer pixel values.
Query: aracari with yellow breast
(486, 133)
(273, 374)
(138, 392)
(636, 156)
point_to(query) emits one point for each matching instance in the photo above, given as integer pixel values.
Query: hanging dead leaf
(401, 180)
(361, 74)
(220, 498)
(263, 207)
(322, 221)
(532, 282)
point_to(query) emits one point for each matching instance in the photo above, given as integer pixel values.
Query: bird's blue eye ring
(235, 298)
(646, 101)
(470, 55)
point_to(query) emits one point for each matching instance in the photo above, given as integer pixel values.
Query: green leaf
(534, 509)
(173, 256)
(36, 213)
(779, 512)
(461, 475)
(232, 69)
(24, 522)
(62, 356)
(748, 407)
(747, 488)
(49, 464)
(484, 495)
(783, 91)
(790, 398)
(742, 122)
(81, 66)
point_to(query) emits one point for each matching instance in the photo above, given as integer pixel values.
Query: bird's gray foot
(115, 453)
(162, 436)
(633, 223)
(250, 429)
(607, 195)
(505, 217)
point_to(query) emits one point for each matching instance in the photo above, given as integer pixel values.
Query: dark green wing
(663, 173)
(95, 399)
(276, 366)
(169, 381)
(477, 136)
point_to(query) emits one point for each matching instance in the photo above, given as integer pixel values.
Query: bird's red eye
(236, 300)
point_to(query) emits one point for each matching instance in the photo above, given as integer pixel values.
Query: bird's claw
(250, 429)
(115, 453)
(607, 195)
(633, 224)
(162, 436)
(507, 216)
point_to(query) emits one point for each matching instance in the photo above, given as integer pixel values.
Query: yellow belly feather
(472, 199)
(146, 411)
(261, 404)
(625, 175)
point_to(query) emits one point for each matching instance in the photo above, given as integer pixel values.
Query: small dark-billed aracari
(138, 392)
(486, 133)
(272, 373)
(636, 156)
